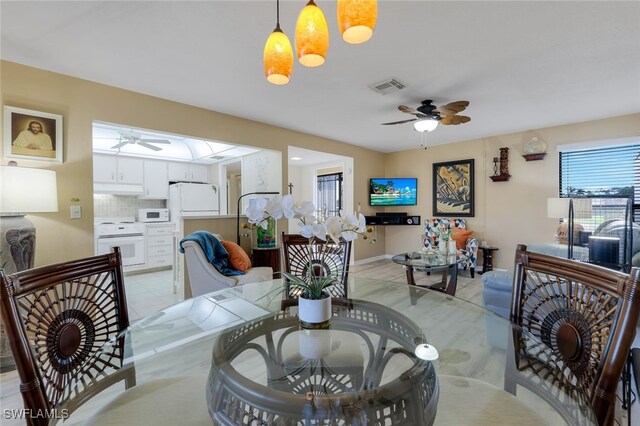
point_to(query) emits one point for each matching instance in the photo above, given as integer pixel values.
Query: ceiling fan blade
(400, 122)
(147, 145)
(162, 141)
(455, 120)
(453, 108)
(120, 145)
(408, 110)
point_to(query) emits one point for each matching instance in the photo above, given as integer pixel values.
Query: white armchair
(204, 278)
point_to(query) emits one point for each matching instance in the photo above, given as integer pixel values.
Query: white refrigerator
(193, 200)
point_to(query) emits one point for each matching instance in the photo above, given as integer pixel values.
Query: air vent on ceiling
(217, 157)
(387, 86)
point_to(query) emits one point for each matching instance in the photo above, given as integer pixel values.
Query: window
(602, 172)
(329, 201)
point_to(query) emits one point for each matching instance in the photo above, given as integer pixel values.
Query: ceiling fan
(428, 113)
(139, 140)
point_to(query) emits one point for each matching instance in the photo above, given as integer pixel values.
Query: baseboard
(372, 259)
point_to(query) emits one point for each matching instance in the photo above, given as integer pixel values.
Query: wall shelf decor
(504, 166)
(534, 157)
(500, 178)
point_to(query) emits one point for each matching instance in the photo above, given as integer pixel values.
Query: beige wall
(506, 213)
(81, 102)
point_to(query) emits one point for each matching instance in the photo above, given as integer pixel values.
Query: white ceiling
(108, 137)
(522, 64)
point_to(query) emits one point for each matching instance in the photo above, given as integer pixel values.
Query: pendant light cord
(278, 15)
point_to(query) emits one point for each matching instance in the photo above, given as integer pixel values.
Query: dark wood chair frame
(57, 319)
(586, 314)
(329, 258)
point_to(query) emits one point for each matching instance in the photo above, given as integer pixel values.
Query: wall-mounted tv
(393, 191)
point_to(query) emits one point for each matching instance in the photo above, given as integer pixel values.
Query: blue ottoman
(496, 294)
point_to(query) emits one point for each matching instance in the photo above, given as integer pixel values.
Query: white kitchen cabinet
(199, 173)
(185, 172)
(156, 180)
(159, 245)
(130, 170)
(178, 172)
(110, 169)
(105, 169)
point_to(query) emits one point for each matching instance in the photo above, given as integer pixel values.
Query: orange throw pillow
(460, 236)
(238, 258)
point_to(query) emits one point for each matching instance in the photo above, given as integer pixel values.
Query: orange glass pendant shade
(278, 58)
(312, 36)
(357, 19)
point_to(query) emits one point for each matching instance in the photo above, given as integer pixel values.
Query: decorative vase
(453, 249)
(265, 238)
(504, 161)
(314, 314)
(443, 247)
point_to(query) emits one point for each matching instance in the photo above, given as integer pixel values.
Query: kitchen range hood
(117, 189)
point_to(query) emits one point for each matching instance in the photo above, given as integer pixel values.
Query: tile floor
(148, 293)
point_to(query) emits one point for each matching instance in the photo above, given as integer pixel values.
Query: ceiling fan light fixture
(425, 125)
(357, 19)
(278, 58)
(312, 36)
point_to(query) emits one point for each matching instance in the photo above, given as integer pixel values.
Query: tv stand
(397, 218)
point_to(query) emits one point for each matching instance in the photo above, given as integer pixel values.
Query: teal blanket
(215, 252)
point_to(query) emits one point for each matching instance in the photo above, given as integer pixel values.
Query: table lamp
(557, 208)
(22, 190)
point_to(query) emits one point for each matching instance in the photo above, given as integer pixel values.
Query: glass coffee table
(435, 262)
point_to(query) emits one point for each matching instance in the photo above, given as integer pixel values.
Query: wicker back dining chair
(57, 319)
(585, 317)
(328, 259)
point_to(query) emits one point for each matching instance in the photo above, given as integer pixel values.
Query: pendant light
(312, 36)
(356, 19)
(278, 55)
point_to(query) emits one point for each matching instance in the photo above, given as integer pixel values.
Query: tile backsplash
(106, 205)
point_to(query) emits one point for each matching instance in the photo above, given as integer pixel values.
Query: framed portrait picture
(32, 135)
(453, 188)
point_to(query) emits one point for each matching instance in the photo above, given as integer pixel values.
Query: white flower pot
(453, 250)
(443, 247)
(314, 313)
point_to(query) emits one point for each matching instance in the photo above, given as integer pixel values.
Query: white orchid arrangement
(348, 227)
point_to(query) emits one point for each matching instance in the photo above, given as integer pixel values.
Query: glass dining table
(235, 357)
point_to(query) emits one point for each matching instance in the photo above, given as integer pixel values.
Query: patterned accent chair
(431, 240)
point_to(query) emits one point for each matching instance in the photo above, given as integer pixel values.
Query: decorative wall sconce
(504, 166)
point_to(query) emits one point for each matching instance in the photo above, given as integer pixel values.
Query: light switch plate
(75, 212)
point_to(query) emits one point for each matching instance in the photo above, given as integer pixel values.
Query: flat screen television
(393, 191)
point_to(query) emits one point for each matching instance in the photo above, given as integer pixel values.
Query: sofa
(431, 240)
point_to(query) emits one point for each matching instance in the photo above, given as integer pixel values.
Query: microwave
(153, 215)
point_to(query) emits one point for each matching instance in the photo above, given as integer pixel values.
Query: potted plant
(314, 303)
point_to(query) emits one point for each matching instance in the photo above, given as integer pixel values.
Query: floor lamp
(22, 190)
(238, 211)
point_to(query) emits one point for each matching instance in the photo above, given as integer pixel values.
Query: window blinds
(613, 171)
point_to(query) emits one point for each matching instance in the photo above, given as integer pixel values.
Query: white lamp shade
(425, 125)
(557, 208)
(27, 190)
